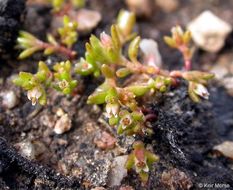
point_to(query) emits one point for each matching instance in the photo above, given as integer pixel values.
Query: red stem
(186, 55)
(187, 64)
(60, 49)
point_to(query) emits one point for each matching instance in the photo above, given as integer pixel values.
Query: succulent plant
(68, 33)
(62, 78)
(68, 36)
(126, 78)
(181, 41)
(141, 160)
(37, 84)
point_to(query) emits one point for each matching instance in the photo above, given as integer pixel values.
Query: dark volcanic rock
(30, 175)
(186, 133)
(11, 12)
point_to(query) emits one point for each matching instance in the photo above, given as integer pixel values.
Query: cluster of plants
(126, 78)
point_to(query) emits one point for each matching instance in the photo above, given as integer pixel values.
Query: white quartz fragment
(209, 31)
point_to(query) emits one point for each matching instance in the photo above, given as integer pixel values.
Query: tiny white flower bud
(202, 91)
(34, 94)
(112, 109)
(141, 166)
(105, 39)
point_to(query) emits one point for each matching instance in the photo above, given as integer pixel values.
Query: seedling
(141, 160)
(37, 84)
(197, 81)
(181, 41)
(68, 36)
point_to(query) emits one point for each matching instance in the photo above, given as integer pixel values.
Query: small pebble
(126, 188)
(142, 8)
(47, 120)
(9, 99)
(176, 179)
(26, 148)
(105, 141)
(60, 112)
(209, 31)
(228, 84)
(87, 20)
(62, 125)
(220, 71)
(226, 149)
(167, 5)
(118, 171)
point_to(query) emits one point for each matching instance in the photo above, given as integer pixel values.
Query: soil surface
(184, 133)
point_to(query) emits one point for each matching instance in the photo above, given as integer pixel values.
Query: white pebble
(26, 148)
(87, 19)
(9, 99)
(209, 31)
(62, 125)
(118, 171)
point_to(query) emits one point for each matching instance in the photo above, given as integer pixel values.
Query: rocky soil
(32, 156)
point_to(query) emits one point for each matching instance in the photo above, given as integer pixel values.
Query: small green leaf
(144, 176)
(123, 72)
(49, 51)
(133, 49)
(113, 121)
(126, 21)
(138, 90)
(151, 158)
(191, 92)
(28, 52)
(107, 71)
(115, 37)
(163, 89)
(130, 162)
(187, 37)
(97, 97)
(52, 40)
(170, 42)
(137, 116)
(43, 98)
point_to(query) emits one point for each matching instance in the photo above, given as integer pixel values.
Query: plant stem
(187, 57)
(58, 48)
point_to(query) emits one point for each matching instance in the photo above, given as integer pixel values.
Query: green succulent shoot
(68, 33)
(68, 36)
(29, 43)
(130, 123)
(141, 161)
(181, 40)
(78, 3)
(59, 4)
(106, 50)
(125, 23)
(197, 81)
(36, 84)
(63, 81)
